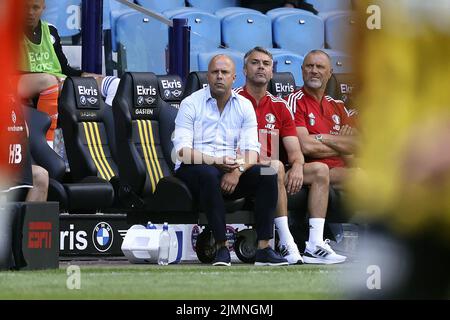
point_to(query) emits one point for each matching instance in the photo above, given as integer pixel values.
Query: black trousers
(258, 181)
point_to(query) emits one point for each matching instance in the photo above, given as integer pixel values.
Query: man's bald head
(223, 58)
(221, 75)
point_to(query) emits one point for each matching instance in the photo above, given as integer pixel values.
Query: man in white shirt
(216, 141)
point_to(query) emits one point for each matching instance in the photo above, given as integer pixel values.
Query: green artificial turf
(185, 281)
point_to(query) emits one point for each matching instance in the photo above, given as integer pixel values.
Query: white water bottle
(164, 246)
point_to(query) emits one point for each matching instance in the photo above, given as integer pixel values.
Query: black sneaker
(268, 257)
(222, 257)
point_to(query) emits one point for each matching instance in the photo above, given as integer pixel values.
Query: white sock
(316, 230)
(109, 88)
(281, 223)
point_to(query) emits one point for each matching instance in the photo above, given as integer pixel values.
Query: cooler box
(141, 245)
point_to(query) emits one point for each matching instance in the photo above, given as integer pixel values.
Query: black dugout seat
(144, 124)
(88, 195)
(341, 87)
(144, 127)
(171, 89)
(281, 84)
(88, 129)
(196, 80)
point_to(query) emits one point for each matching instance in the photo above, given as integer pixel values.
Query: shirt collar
(310, 96)
(209, 96)
(250, 97)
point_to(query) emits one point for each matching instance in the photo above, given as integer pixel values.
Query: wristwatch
(241, 163)
(318, 137)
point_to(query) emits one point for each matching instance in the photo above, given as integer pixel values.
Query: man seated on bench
(216, 141)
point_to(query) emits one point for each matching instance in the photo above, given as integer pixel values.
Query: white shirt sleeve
(249, 135)
(184, 126)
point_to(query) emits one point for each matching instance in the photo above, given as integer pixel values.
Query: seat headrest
(281, 84)
(87, 93)
(195, 81)
(80, 100)
(341, 87)
(145, 95)
(171, 89)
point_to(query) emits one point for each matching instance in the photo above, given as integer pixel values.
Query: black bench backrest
(88, 130)
(144, 124)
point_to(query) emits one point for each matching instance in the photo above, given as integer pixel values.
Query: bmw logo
(102, 236)
(83, 100)
(140, 100)
(167, 93)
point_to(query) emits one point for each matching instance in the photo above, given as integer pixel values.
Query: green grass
(177, 282)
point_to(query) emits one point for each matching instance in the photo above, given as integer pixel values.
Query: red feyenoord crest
(336, 119)
(270, 118)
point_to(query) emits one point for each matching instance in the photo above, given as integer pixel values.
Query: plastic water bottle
(164, 246)
(150, 225)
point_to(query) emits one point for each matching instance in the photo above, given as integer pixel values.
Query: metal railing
(179, 37)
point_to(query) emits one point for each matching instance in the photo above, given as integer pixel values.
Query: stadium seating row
(213, 6)
(206, 41)
(141, 42)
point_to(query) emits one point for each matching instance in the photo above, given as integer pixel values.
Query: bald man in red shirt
(277, 132)
(325, 128)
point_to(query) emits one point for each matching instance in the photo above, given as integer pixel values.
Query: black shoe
(268, 257)
(222, 257)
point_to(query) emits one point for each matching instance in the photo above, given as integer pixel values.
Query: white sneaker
(321, 253)
(290, 252)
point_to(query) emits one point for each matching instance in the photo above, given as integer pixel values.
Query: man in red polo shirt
(325, 127)
(275, 123)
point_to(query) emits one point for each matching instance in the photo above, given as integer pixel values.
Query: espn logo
(39, 235)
